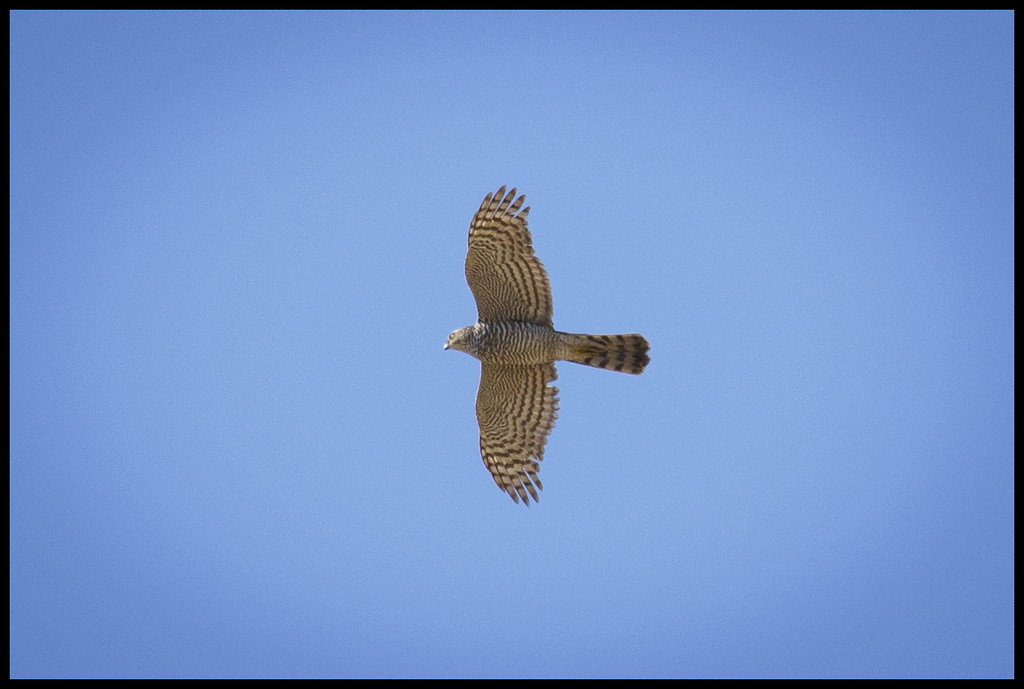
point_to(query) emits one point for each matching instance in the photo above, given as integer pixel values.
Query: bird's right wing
(516, 410)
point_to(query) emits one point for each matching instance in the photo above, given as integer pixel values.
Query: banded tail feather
(626, 353)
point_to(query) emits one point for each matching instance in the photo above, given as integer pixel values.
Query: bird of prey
(517, 345)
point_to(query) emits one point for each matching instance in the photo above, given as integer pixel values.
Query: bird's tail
(626, 353)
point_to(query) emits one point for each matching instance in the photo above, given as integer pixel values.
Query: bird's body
(510, 342)
(517, 345)
(515, 342)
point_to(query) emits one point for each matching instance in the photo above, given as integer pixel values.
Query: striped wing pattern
(516, 410)
(508, 281)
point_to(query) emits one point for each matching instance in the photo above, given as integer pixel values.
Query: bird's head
(460, 339)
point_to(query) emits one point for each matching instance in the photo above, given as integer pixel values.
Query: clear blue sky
(239, 450)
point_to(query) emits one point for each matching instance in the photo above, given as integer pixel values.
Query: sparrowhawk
(517, 345)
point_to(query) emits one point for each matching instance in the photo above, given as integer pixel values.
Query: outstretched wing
(508, 281)
(516, 410)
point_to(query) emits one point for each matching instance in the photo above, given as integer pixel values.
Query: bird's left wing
(508, 281)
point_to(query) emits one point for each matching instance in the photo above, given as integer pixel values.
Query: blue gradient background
(238, 449)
